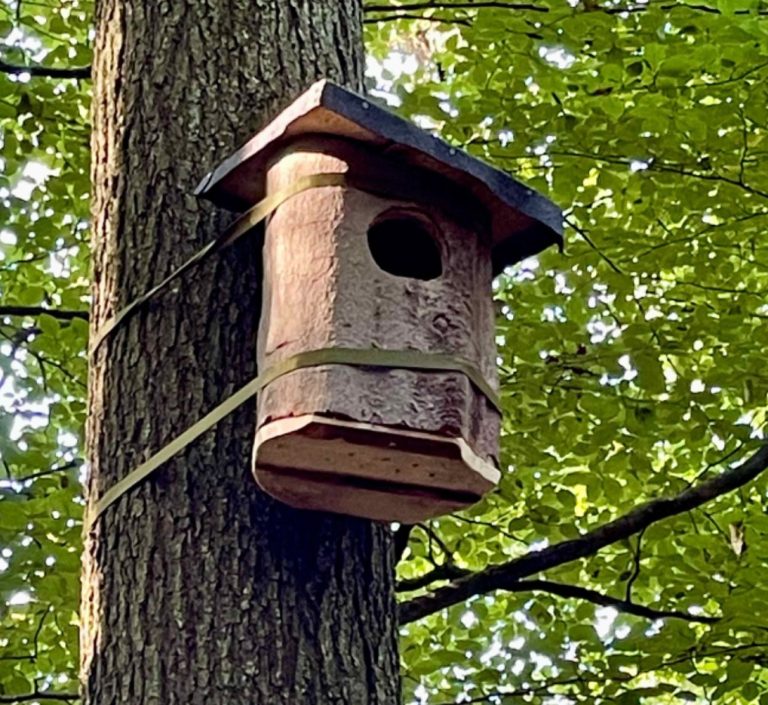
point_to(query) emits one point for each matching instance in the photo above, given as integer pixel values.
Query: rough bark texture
(197, 587)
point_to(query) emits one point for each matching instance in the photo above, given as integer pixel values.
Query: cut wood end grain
(312, 461)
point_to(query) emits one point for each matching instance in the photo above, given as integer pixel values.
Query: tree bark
(198, 588)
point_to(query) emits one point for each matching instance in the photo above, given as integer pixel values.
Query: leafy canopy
(632, 366)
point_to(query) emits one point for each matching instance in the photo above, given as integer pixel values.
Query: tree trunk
(197, 587)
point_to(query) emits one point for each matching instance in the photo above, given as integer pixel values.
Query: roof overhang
(523, 222)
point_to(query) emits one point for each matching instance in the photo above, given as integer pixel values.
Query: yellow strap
(408, 359)
(234, 232)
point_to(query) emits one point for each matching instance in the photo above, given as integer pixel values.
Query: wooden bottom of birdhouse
(367, 470)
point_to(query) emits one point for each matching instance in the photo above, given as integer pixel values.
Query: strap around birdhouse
(399, 359)
(234, 232)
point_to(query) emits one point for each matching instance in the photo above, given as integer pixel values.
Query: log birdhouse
(377, 304)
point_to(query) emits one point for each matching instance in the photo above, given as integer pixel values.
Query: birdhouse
(377, 320)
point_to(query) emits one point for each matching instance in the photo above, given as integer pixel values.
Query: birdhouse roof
(523, 222)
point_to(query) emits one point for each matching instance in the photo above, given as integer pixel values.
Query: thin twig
(76, 463)
(598, 598)
(636, 569)
(477, 5)
(590, 242)
(437, 19)
(38, 696)
(32, 311)
(77, 73)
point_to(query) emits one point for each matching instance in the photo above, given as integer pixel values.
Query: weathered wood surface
(322, 288)
(369, 470)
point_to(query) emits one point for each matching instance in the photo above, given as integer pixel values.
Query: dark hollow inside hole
(405, 247)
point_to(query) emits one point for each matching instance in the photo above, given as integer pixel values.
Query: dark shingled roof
(523, 222)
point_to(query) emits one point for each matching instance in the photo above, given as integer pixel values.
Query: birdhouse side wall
(323, 288)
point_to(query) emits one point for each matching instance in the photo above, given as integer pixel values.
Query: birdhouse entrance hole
(404, 245)
(385, 250)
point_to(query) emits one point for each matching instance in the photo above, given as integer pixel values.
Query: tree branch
(585, 236)
(499, 4)
(652, 164)
(76, 463)
(598, 598)
(447, 571)
(433, 537)
(401, 536)
(77, 73)
(437, 19)
(505, 575)
(636, 568)
(61, 314)
(38, 696)
(450, 572)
